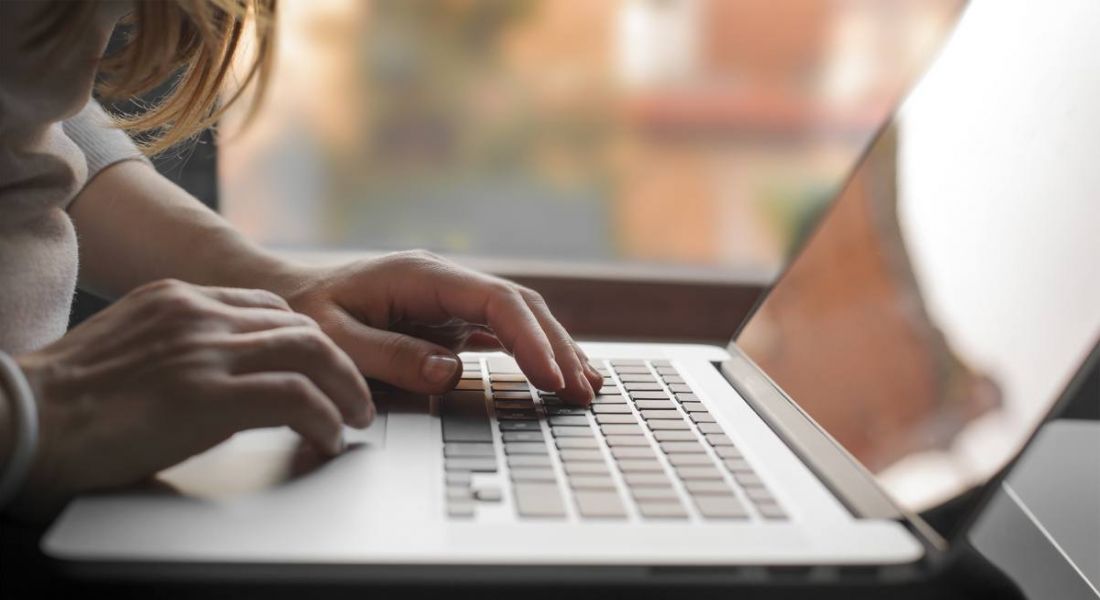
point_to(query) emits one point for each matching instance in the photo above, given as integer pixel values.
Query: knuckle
(299, 388)
(269, 298)
(531, 296)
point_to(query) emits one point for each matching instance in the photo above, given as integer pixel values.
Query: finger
(311, 353)
(245, 320)
(482, 340)
(578, 389)
(447, 290)
(245, 298)
(401, 360)
(291, 399)
(594, 376)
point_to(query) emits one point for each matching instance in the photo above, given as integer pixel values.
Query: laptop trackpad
(265, 459)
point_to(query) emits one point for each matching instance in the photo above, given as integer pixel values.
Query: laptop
(935, 315)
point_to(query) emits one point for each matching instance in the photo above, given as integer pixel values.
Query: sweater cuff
(102, 143)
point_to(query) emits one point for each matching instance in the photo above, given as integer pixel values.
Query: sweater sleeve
(101, 142)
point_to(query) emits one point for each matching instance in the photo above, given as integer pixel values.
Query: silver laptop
(930, 323)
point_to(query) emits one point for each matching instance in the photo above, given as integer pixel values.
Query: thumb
(407, 362)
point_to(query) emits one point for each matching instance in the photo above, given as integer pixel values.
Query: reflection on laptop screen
(952, 290)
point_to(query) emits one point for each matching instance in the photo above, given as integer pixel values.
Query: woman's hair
(193, 42)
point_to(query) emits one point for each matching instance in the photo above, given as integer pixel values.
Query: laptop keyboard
(646, 449)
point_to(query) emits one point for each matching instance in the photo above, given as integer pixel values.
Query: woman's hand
(172, 369)
(402, 317)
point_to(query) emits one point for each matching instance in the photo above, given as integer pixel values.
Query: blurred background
(663, 135)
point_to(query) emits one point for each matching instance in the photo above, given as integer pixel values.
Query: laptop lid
(937, 312)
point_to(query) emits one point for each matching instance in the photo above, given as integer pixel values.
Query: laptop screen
(935, 313)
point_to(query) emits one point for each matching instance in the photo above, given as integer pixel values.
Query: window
(684, 133)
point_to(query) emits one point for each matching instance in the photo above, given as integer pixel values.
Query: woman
(250, 340)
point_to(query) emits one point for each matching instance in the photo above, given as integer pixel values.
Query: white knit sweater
(53, 139)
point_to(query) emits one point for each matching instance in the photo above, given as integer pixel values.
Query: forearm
(136, 226)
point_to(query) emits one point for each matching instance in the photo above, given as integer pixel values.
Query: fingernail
(439, 368)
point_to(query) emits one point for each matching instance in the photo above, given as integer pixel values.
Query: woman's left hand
(403, 317)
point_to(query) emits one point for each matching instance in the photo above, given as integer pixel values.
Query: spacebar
(465, 417)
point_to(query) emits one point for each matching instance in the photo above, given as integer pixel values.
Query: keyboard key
(611, 409)
(738, 465)
(522, 436)
(460, 510)
(566, 411)
(642, 387)
(654, 493)
(727, 451)
(524, 448)
(627, 362)
(586, 468)
(631, 369)
(608, 399)
(662, 510)
(578, 442)
(707, 487)
(689, 460)
(579, 455)
(458, 478)
(698, 472)
(692, 447)
(665, 425)
(456, 449)
(674, 436)
(672, 379)
(591, 482)
(720, 507)
(771, 510)
(517, 415)
(569, 421)
(639, 465)
(637, 378)
(459, 493)
(649, 396)
(626, 452)
(538, 500)
(647, 480)
(759, 494)
(520, 426)
(748, 479)
(498, 377)
(719, 439)
(656, 414)
(514, 405)
(470, 384)
(465, 417)
(502, 364)
(687, 398)
(680, 388)
(513, 396)
(529, 460)
(632, 429)
(469, 463)
(710, 428)
(563, 432)
(616, 419)
(532, 474)
(599, 504)
(510, 386)
(655, 404)
(488, 494)
(694, 406)
(702, 417)
(626, 440)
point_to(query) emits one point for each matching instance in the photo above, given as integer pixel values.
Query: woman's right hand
(171, 370)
